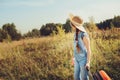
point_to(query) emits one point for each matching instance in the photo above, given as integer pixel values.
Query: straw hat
(77, 22)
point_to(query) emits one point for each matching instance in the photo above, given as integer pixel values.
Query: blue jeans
(80, 72)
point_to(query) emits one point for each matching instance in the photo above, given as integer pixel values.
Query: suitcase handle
(89, 73)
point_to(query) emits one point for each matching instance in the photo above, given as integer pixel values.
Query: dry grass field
(49, 58)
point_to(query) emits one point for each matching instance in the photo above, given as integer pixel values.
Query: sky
(30, 14)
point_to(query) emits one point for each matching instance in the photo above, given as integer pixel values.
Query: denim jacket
(82, 55)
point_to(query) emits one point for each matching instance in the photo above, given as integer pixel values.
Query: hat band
(71, 24)
(75, 23)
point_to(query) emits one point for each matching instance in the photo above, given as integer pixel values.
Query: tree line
(9, 31)
(109, 23)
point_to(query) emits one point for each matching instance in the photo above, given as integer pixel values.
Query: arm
(87, 44)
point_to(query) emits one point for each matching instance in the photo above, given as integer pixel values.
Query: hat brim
(81, 28)
(77, 25)
(71, 16)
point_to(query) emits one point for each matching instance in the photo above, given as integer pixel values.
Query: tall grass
(106, 53)
(49, 58)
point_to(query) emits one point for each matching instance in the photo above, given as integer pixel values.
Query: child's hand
(73, 61)
(87, 66)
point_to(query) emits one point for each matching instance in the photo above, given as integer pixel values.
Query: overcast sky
(29, 14)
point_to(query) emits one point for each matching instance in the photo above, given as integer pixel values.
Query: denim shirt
(82, 55)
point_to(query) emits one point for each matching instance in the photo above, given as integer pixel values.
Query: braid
(77, 30)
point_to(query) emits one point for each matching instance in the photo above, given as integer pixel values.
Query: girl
(82, 49)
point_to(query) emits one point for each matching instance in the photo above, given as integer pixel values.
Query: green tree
(3, 35)
(36, 32)
(47, 29)
(12, 31)
(33, 33)
(28, 34)
(67, 26)
(107, 23)
(116, 21)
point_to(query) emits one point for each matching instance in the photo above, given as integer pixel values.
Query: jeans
(80, 72)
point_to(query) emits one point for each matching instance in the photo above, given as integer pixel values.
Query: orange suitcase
(99, 75)
(104, 75)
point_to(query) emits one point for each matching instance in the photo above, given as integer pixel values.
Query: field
(49, 58)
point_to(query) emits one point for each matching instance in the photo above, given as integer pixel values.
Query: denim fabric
(80, 72)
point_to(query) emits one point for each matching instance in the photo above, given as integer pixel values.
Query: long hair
(76, 38)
